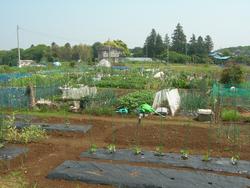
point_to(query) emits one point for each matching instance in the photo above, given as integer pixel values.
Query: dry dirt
(175, 133)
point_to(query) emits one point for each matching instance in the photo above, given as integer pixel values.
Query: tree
(137, 52)
(55, 51)
(175, 57)
(95, 47)
(179, 40)
(65, 52)
(192, 45)
(200, 47)
(232, 74)
(37, 53)
(85, 53)
(209, 45)
(166, 42)
(75, 53)
(159, 46)
(149, 45)
(118, 44)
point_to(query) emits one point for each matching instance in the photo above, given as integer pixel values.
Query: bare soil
(174, 133)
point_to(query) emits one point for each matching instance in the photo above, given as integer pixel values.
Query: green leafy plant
(184, 154)
(137, 150)
(93, 148)
(232, 74)
(235, 159)
(111, 148)
(32, 133)
(159, 151)
(135, 99)
(26, 135)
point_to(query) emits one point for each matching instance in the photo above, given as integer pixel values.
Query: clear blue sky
(88, 21)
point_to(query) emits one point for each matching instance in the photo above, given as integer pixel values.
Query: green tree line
(43, 53)
(177, 48)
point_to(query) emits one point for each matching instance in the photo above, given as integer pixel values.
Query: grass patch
(230, 115)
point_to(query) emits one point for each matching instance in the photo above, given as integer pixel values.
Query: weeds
(10, 133)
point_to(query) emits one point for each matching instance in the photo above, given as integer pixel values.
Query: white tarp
(162, 110)
(104, 63)
(57, 64)
(170, 96)
(159, 75)
(77, 93)
(205, 111)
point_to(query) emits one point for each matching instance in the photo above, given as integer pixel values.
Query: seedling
(159, 151)
(111, 148)
(206, 157)
(137, 150)
(93, 148)
(184, 154)
(235, 159)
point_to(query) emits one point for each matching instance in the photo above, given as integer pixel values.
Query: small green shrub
(32, 133)
(135, 99)
(28, 134)
(8, 132)
(232, 74)
(230, 115)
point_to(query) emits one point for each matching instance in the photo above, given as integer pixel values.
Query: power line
(49, 35)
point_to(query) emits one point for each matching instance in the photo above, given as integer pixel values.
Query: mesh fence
(18, 97)
(233, 95)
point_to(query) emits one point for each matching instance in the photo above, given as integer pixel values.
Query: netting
(9, 76)
(233, 95)
(17, 97)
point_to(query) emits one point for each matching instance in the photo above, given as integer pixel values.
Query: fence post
(32, 96)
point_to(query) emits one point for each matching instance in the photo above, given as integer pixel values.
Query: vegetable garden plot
(194, 161)
(141, 177)
(8, 153)
(57, 127)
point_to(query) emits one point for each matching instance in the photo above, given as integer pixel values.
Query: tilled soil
(174, 133)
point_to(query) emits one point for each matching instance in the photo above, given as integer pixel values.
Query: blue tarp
(6, 77)
(219, 56)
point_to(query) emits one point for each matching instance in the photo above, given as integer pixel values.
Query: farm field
(46, 155)
(132, 94)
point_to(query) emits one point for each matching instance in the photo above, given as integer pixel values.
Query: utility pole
(18, 49)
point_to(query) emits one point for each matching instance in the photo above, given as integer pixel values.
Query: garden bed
(57, 127)
(140, 177)
(11, 152)
(193, 161)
